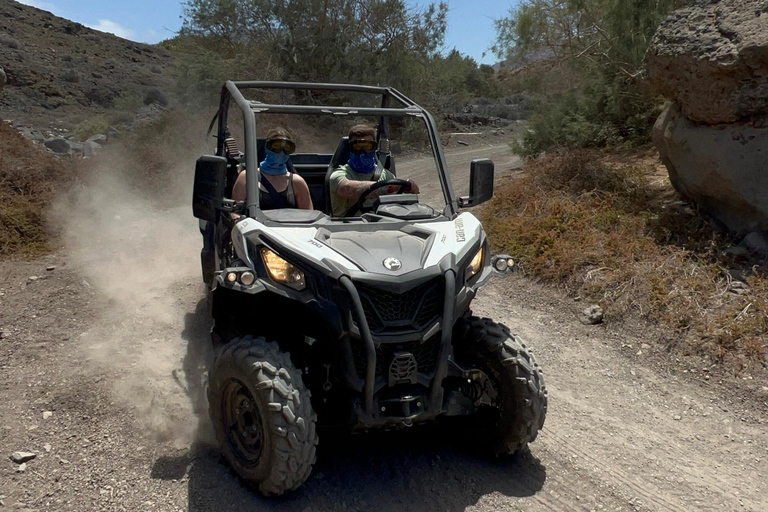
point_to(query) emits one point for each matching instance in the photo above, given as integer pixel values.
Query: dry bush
(29, 180)
(616, 234)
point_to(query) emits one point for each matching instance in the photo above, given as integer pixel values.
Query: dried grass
(29, 179)
(610, 230)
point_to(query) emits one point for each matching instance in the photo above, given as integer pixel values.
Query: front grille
(389, 312)
(425, 354)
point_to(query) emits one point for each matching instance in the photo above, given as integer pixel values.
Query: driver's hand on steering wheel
(413, 188)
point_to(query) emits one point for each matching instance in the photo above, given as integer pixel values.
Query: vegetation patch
(29, 179)
(610, 229)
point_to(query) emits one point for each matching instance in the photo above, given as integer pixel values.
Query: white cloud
(46, 6)
(113, 28)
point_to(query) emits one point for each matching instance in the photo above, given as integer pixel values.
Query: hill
(61, 74)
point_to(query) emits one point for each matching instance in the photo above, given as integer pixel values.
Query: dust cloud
(140, 252)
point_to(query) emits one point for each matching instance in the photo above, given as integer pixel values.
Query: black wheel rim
(244, 426)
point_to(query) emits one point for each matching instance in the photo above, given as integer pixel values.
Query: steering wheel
(404, 185)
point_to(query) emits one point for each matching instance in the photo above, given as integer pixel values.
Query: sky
(470, 22)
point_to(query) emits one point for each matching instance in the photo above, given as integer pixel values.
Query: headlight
(281, 271)
(476, 264)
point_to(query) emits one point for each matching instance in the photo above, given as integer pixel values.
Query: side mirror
(210, 181)
(480, 183)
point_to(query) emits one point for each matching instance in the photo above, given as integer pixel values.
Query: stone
(21, 468)
(462, 143)
(21, 457)
(720, 168)
(712, 57)
(50, 268)
(99, 138)
(47, 447)
(47, 414)
(591, 315)
(59, 146)
(113, 133)
(90, 147)
(755, 242)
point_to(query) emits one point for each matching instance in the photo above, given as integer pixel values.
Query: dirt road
(101, 361)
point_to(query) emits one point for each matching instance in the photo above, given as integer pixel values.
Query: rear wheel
(262, 415)
(521, 402)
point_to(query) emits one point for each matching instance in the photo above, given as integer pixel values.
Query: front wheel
(262, 415)
(521, 402)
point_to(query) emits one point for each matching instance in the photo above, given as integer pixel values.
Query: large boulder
(722, 168)
(713, 58)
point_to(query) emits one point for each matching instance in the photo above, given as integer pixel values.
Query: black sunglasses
(278, 145)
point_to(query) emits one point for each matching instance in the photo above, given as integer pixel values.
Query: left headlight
(476, 264)
(281, 271)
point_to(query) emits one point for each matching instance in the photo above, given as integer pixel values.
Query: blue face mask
(364, 163)
(274, 164)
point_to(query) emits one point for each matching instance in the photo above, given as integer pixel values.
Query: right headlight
(476, 264)
(281, 271)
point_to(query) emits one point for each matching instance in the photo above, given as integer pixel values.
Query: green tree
(601, 43)
(330, 40)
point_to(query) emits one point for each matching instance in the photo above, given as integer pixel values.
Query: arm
(352, 189)
(238, 189)
(301, 193)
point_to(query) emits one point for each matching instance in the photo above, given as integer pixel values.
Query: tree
(602, 44)
(328, 40)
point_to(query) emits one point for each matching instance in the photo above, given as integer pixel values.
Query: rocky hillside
(61, 75)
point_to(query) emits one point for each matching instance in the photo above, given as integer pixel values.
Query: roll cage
(389, 97)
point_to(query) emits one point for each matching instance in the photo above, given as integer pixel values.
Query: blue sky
(470, 22)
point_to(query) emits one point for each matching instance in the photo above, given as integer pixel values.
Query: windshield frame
(389, 96)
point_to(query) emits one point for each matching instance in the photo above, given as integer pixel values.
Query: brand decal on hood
(460, 236)
(392, 264)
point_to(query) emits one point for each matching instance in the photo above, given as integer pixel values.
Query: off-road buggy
(357, 321)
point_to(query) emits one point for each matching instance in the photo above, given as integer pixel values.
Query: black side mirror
(210, 182)
(480, 183)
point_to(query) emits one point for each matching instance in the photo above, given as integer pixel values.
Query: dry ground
(112, 342)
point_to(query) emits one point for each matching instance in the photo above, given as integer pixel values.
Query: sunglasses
(362, 146)
(278, 145)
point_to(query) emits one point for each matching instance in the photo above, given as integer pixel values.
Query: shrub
(608, 233)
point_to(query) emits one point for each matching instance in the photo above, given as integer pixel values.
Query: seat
(341, 157)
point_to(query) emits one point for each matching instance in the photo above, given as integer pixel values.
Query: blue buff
(363, 164)
(274, 164)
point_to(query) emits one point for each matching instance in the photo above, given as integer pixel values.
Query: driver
(349, 181)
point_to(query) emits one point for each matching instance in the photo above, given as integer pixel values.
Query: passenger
(349, 181)
(279, 188)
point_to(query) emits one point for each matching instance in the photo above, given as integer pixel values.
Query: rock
(146, 114)
(77, 147)
(3, 78)
(10, 42)
(47, 414)
(592, 315)
(712, 58)
(462, 143)
(47, 447)
(736, 251)
(57, 145)
(32, 279)
(98, 139)
(720, 168)
(50, 268)
(21, 468)
(113, 133)
(677, 417)
(90, 147)
(21, 457)
(755, 242)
